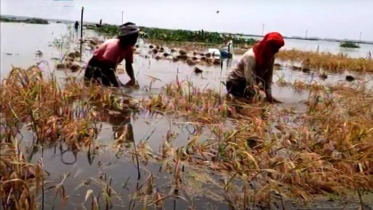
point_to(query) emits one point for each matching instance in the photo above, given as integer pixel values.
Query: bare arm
(249, 69)
(268, 76)
(129, 70)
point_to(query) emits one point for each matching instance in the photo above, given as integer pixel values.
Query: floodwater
(19, 42)
(326, 46)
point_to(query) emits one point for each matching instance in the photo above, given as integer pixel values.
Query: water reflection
(120, 123)
(73, 149)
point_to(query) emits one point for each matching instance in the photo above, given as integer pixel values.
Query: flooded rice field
(109, 174)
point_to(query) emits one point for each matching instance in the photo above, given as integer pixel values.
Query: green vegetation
(195, 36)
(29, 20)
(105, 29)
(349, 44)
(178, 35)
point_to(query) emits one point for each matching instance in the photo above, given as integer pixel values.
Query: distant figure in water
(256, 66)
(227, 52)
(76, 25)
(100, 24)
(369, 55)
(102, 66)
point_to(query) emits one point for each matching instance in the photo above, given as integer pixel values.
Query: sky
(341, 19)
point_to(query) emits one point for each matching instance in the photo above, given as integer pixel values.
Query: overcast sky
(322, 18)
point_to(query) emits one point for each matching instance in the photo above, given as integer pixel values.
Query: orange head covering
(267, 48)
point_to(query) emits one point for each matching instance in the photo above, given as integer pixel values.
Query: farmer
(76, 25)
(256, 66)
(106, 58)
(227, 51)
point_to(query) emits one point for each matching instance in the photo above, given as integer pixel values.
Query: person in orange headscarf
(256, 66)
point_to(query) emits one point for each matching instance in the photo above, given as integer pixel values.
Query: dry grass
(327, 151)
(326, 61)
(27, 98)
(53, 114)
(20, 181)
(182, 98)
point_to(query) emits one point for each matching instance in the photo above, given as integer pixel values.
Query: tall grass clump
(31, 99)
(326, 61)
(326, 150)
(68, 113)
(20, 181)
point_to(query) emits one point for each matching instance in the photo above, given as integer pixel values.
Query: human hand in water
(130, 83)
(270, 99)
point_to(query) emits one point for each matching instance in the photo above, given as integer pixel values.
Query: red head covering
(266, 49)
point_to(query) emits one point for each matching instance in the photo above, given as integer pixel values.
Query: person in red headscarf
(255, 67)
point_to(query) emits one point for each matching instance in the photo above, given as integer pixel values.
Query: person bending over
(255, 67)
(103, 64)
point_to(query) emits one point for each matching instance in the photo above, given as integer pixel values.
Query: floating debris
(296, 68)
(182, 57)
(75, 67)
(61, 66)
(175, 59)
(217, 62)
(350, 78)
(198, 70)
(190, 62)
(306, 70)
(323, 76)
(209, 61)
(182, 52)
(73, 55)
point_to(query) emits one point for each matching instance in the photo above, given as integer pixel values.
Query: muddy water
(18, 50)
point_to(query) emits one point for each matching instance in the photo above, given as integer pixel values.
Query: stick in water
(130, 136)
